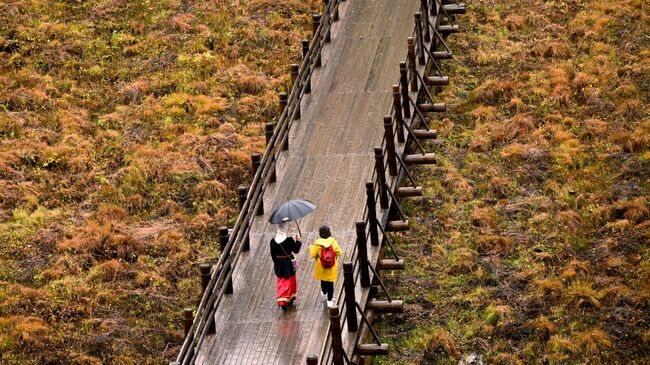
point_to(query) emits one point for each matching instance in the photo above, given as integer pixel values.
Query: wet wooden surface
(329, 159)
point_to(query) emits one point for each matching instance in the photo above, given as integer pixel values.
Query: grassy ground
(125, 127)
(532, 241)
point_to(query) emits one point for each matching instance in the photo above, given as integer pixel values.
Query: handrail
(215, 289)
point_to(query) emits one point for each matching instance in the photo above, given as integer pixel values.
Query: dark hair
(324, 232)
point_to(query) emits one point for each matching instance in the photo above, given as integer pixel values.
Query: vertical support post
(256, 160)
(335, 333)
(268, 133)
(305, 49)
(381, 176)
(242, 192)
(362, 254)
(390, 146)
(284, 99)
(205, 269)
(328, 34)
(420, 40)
(372, 212)
(294, 68)
(434, 8)
(312, 360)
(351, 308)
(188, 318)
(315, 22)
(425, 21)
(399, 120)
(410, 43)
(223, 241)
(404, 86)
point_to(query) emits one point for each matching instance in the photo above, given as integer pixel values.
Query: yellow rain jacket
(320, 272)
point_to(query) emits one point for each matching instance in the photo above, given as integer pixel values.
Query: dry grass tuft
(518, 127)
(569, 219)
(441, 344)
(593, 341)
(492, 91)
(493, 245)
(483, 217)
(484, 114)
(580, 294)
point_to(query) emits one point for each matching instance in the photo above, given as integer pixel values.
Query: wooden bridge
(350, 128)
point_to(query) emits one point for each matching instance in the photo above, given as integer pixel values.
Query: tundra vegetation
(125, 128)
(531, 244)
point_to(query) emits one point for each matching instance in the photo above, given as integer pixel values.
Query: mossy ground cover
(125, 128)
(531, 244)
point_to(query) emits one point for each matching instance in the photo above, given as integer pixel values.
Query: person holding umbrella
(326, 251)
(284, 264)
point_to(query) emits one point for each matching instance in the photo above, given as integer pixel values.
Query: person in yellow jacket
(326, 275)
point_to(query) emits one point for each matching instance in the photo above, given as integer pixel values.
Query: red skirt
(286, 290)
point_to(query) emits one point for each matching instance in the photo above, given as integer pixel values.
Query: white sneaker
(331, 303)
(323, 297)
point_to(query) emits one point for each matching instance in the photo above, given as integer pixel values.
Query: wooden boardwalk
(329, 159)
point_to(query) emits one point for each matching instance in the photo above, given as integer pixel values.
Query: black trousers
(327, 287)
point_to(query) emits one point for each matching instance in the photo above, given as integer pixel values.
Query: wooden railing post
(404, 87)
(223, 242)
(350, 308)
(372, 213)
(420, 40)
(328, 34)
(205, 270)
(312, 360)
(390, 146)
(410, 43)
(284, 100)
(305, 49)
(268, 132)
(381, 177)
(188, 318)
(335, 333)
(399, 120)
(425, 21)
(242, 192)
(293, 69)
(362, 254)
(315, 22)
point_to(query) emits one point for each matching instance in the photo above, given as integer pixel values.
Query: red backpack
(327, 257)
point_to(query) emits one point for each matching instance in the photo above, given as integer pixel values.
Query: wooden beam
(435, 107)
(418, 159)
(455, 8)
(447, 29)
(406, 191)
(395, 226)
(436, 80)
(384, 306)
(442, 55)
(390, 264)
(372, 349)
(425, 133)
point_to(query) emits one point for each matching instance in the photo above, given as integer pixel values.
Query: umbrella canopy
(292, 209)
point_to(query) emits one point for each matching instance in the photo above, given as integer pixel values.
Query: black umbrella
(292, 209)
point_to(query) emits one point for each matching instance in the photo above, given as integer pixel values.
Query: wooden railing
(404, 116)
(235, 241)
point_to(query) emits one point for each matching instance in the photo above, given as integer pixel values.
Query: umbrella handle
(298, 227)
